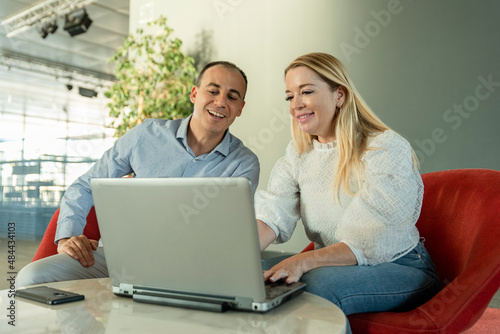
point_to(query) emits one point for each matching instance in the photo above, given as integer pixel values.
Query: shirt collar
(182, 130)
(222, 147)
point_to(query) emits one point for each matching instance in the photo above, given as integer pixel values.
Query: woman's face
(312, 103)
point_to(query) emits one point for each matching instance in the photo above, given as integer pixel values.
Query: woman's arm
(277, 208)
(266, 234)
(378, 225)
(294, 267)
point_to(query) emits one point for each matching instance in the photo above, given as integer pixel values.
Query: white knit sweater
(378, 224)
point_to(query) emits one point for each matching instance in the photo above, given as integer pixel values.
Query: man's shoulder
(236, 147)
(156, 127)
(152, 122)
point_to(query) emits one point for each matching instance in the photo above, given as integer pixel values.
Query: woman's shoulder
(291, 151)
(290, 159)
(388, 139)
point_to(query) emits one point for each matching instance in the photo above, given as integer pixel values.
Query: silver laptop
(188, 242)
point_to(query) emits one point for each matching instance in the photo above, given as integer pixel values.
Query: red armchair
(48, 247)
(460, 221)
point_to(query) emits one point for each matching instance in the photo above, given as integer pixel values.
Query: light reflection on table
(103, 312)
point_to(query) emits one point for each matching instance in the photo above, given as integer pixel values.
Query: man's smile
(216, 114)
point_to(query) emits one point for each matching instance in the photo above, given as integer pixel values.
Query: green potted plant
(154, 78)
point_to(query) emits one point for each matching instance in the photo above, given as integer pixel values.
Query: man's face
(217, 101)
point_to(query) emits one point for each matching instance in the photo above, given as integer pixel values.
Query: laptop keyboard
(275, 289)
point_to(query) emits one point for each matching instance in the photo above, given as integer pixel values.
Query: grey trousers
(61, 267)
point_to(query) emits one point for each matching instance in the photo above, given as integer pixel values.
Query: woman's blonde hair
(353, 122)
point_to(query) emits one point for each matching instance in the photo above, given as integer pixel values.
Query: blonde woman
(355, 184)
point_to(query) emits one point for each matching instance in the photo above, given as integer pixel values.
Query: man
(199, 145)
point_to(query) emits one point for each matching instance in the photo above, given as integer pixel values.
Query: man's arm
(250, 168)
(77, 200)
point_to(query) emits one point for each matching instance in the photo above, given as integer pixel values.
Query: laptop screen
(193, 235)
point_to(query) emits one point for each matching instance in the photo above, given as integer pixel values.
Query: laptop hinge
(124, 289)
(192, 302)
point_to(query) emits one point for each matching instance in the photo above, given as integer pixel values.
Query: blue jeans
(396, 286)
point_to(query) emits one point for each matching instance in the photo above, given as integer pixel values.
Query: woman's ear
(340, 94)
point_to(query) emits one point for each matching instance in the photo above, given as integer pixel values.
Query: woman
(355, 185)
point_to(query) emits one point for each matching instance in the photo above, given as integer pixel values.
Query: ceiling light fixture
(48, 28)
(52, 27)
(77, 23)
(41, 13)
(87, 92)
(44, 33)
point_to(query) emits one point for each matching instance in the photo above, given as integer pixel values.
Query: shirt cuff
(272, 226)
(358, 253)
(66, 229)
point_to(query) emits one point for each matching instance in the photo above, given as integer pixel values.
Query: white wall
(421, 65)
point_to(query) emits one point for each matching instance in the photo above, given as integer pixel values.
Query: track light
(48, 28)
(77, 23)
(52, 27)
(87, 92)
(44, 32)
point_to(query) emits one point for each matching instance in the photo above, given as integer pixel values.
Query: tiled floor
(25, 250)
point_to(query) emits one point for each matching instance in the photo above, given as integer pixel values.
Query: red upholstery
(460, 222)
(48, 247)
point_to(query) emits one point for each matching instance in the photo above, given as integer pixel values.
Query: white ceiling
(24, 91)
(89, 50)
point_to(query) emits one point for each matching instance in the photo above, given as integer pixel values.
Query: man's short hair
(221, 63)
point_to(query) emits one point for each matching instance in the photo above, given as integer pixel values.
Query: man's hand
(79, 248)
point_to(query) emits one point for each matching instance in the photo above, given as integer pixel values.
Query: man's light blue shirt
(155, 148)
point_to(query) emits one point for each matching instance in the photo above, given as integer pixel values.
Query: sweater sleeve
(278, 206)
(382, 216)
